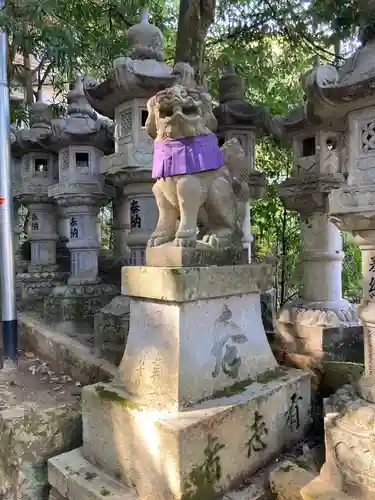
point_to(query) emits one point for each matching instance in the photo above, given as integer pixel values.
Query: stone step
(74, 478)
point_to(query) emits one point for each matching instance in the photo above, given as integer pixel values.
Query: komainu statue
(196, 181)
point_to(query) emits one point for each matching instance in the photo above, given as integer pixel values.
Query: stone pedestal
(84, 295)
(43, 273)
(200, 402)
(322, 323)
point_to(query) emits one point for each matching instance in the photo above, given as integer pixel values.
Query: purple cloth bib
(186, 156)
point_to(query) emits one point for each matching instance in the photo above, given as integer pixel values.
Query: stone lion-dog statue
(196, 181)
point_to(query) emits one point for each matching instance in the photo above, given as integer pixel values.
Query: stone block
(320, 490)
(38, 420)
(111, 328)
(196, 283)
(168, 363)
(288, 479)
(78, 303)
(172, 256)
(290, 482)
(72, 474)
(65, 355)
(34, 287)
(202, 451)
(336, 343)
(74, 478)
(338, 373)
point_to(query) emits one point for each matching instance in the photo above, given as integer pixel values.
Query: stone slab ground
(40, 417)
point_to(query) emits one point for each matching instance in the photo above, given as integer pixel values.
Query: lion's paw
(158, 239)
(185, 242)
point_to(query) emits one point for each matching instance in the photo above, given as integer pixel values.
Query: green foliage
(352, 271)
(272, 44)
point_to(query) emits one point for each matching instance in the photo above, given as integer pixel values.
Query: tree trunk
(29, 91)
(195, 18)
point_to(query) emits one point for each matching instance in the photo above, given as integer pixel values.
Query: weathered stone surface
(163, 453)
(78, 479)
(290, 482)
(350, 458)
(55, 495)
(250, 493)
(337, 374)
(35, 287)
(323, 330)
(196, 283)
(203, 255)
(168, 364)
(336, 343)
(38, 419)
(74, 478)
(111, 328)
(65, 354)
(217, 192)
(288, 479)
(78, 303)
(321, 490)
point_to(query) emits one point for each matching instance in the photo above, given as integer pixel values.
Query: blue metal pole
(7, 266)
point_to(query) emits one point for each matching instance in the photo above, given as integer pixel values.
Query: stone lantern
(39, 172)
(81, 139)
(239, 119)
(346, 96)
(123, 97)
(321, 323)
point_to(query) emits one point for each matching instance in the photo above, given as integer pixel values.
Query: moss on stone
(241, 386)
(232, 390)
(116, 398)
(269, 375)
(286, 468)
(197, 486)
